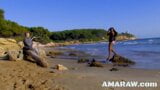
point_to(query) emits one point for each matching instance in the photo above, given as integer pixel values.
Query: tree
(1, 14)
(79, 34)
(41, 33)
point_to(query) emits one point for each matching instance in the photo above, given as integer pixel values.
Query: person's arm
(33, 38)
(108, 32)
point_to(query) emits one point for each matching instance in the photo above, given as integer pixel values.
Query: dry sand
(23, 75)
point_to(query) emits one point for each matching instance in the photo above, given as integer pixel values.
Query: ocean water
(145, 52)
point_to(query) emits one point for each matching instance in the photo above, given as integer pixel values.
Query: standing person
(28, 50)
(112, 33)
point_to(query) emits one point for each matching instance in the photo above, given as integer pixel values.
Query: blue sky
(140, 17)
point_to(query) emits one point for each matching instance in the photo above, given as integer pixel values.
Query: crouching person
(29, 51)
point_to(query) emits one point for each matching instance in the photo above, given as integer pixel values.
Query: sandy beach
(23, 75)
(80, 45)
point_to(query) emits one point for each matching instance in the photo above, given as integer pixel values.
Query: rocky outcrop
(83, 60)
(123, 37)
(11, 50)
(121, 61)
(54, 44)
(14, 55)
(95, 63)
(8, 44)
(53, 54)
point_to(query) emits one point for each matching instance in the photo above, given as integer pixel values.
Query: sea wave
(130, 43)
(149, 52)
(142, 42)
(142, 51)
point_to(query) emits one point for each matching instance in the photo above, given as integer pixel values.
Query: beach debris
(95, 63)
(83, 60)
(121, 61)
(61, 67)
(113, 69)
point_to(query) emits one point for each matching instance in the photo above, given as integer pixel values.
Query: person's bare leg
(109, 50)
(112, 49)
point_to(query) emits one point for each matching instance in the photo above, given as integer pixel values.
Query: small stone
(61, 67)
(113, 69)
(51, 71)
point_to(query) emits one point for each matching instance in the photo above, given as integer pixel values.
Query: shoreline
(23, 75)
(74, 42)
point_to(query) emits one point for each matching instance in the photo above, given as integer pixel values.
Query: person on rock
(112, 33)
(28, 50)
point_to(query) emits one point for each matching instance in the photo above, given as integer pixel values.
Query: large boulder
(15, 55)
(10, 44)
(43, 57)
(2, 51)
(9, 47)
(37, 56)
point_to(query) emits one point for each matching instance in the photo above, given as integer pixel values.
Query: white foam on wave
(130, 43)
(150, 40)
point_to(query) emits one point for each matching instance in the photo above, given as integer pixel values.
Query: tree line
(14, 30)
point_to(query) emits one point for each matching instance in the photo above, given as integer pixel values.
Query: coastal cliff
(123, 37)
